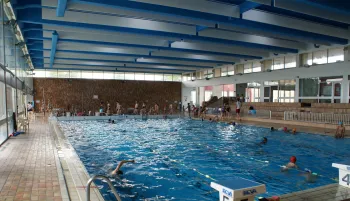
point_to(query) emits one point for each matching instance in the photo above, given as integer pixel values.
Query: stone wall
(78, 93)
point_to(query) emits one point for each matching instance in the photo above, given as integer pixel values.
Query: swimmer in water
(291, 164)
(311, 177)
(117, 170)
(272, 129)
(113, 122)
(109, 121)
(264, 141)
(294, 131)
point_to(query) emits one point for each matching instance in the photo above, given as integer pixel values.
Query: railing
(101, 178)
(324, 118)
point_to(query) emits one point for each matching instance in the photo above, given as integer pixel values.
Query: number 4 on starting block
(344, 174)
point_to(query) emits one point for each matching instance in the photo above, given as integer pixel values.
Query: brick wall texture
(78, 93)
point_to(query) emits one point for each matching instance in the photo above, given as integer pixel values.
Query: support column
(346, 53)
(345, 89)
(262, 91)
(296, 92)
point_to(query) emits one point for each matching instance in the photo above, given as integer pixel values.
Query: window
(63, 74)
(186, 77)
(193, 97)
(75, 74)
(248, 68)
(51, 73)
(168, 77)
(129, 76)
(108, 75)
(177, 78)
(223, 71)
(97, 75)
(208, 73)
(86, 74)
(217, 72)
(290, 61)
(308, 87)
(159, 77)
(257, 67)
(207, 95)
(139, 76)
(119, 76)
(335, 55)
(320, 57)
(149, 76)
(231, 70)
(278, 63)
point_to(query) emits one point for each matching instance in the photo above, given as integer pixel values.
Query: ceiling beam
(53, 47)
(61, 7)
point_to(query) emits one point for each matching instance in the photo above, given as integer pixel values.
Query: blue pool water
(177, 159)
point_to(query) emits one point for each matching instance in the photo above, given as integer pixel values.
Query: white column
(296, 93)
(345, 89)
(262, 91)
(346, 53)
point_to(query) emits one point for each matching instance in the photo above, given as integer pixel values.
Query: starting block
(238, 189)
(344, 174)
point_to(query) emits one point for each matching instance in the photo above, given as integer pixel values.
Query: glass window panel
(320, 57)
(335, 55)
(139, 76)
(51, 73)
(39, 73)
(337, 89)
(129, 76)
(119, 76)
(185, 77)
(168, 77)
(308, 87)
(86, 74)
(108, 75)
(209, 73)
(75, 74)
(193, 76)
(257, 66)
(150, 76)
(177, 78)
(159, 77)
(248, 68)
(278, 63)
(326, 89)
(63, 74)
(97, 75)
(224, 71)
(290, 61)
(217, 72)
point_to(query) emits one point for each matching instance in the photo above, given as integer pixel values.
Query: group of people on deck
(155, 110)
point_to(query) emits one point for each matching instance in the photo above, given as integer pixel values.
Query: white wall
(186, 95)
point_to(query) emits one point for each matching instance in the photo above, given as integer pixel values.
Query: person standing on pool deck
(117, 170)
(189, 109)
(136, 108)
(238, 108)
(171, 111)
(340, 132)
(156, 109)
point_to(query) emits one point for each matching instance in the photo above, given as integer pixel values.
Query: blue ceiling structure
(174, 36)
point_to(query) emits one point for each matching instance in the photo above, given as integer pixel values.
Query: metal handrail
(101, 177)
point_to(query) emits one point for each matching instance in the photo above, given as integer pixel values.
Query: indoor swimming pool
(177, 159)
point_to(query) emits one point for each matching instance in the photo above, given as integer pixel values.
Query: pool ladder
(101, 178)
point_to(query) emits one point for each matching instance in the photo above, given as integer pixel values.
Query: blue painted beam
(37, 36)
(131, 67)
(30, 16)
(34, 56)
(234, 22)
(247, 5)
(53, 47)
(61, 8)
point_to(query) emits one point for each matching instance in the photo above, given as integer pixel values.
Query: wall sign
(95, 97)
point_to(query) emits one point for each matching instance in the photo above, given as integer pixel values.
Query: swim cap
(293, 159)
(340, 123)
(272, 128)
(285, 129)
(294, 130)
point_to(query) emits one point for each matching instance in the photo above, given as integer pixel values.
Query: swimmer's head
(109, 120)
(285, 129)
(233, 123)
(340, 123)
(293, 159)
(119, 172)
(264, 140)
(272, 128)
(294, 130)
(113, 122)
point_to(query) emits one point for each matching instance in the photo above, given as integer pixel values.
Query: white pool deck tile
(42, 165)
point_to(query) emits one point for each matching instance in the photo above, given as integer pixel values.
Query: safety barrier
(324, 118)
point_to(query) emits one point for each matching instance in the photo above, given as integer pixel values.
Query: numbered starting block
(344, 174)
(238, 189)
